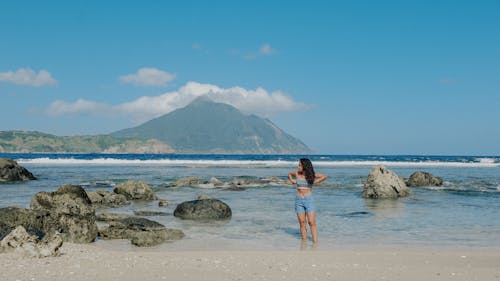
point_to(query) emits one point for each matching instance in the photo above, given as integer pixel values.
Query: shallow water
(463, 212)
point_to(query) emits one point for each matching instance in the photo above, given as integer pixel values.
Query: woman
(304, 178)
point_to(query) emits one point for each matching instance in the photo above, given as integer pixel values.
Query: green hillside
(26, 141)
(208, 127)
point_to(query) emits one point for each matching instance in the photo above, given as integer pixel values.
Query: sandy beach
(91, 262)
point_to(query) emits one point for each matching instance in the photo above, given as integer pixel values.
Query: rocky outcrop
(163, 203)
(107, 217)
(146, 213)
(140, 231)
(238, 183)
(216, 182)
(420, 178)
(105, 199)
(32, 221)
(383, 183)
(10, 171)
(135, 190)
(69, 211)
(248, 181)
(206, 209)
(20, 241)
(204, 197)
(189, 181)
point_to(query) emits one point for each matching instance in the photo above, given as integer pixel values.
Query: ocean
(464, 212)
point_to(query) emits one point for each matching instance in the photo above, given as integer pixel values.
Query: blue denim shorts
(304, 204)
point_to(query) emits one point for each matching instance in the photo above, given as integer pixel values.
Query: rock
(145, 213)
(216, 182)
(204, 197)
(277, 180)
(383, 183)
(420, 178)
(49, 246)
(18, 240)
(106, 199)
(70, 212)
(235, 188)
(31, 220)
(189, 181)
(207, 209)
(135, 190)
(110, 217)
(10, 171)
(141, 232)
(163, 203)
(248, 181)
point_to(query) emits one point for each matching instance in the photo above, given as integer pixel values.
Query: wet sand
(91, 262)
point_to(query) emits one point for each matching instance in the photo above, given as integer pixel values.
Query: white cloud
(266, 50)
(148, 76)
(80, 107)
(258, 101)
(28, 77)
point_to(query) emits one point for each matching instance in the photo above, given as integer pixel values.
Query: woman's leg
(302, 223)
(311, 219)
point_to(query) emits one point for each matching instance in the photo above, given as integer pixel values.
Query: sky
(345, 77)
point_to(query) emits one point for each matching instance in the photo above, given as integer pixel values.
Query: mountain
(29, 141)
(205, 126)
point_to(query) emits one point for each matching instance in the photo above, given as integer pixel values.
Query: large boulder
(135, 190)
(10, 171)
(140, 231)
(20, 241)
(105, 199)
(420, 178)
(70, 212)
(383, 183)
(31, 220)
(204, 209)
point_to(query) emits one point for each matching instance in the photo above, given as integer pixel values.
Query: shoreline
(91, 262)
(124, 245)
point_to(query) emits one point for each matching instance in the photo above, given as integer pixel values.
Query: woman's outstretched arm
(291, 175)
(320, 178)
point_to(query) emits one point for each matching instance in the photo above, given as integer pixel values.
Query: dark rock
(141, 232)
(207, 209)
(249, 181)
(145, 213)
(383, 183)
(135, 190)
(70, 212)
(10, 171)
(106, 199)
(110, 217)
(235, 188)
(31, 220)
(163, 203)
(420, 178)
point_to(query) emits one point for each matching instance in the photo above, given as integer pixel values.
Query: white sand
(91, 262)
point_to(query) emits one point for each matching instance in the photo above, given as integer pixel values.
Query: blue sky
(346, 77)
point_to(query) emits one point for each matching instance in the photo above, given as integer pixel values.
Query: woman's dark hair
(308, 169)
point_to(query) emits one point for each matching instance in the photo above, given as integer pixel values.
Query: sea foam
(483, 162)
